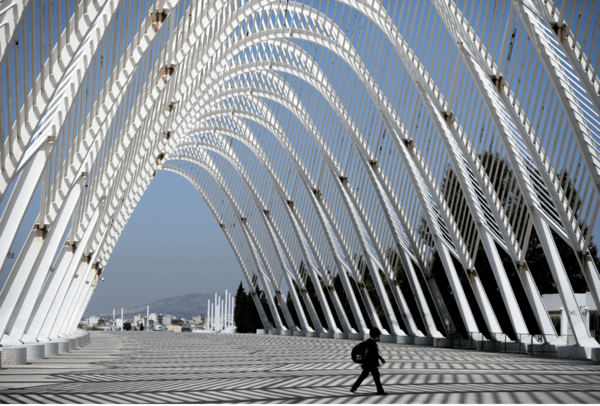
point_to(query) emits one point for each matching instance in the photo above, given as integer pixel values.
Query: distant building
(142, 321)
(97, 321)
(174, 329)
(92, 320)
(199, 319)
(165, 320)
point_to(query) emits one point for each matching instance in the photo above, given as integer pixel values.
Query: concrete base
(575, 351)
(358, 336)
(596, 355)
(300, 333)
(261, 331)
(14, 355)
(35, 351)
(424, 341)
(63, 347)
(50, 349)
(72, 344)
(388, 338)
(286, 332)
(326, 335)
(274, 332)
(341, 336)
(442, 342)
(230, 330)
(405, 339)
(312, 334)
(543, 350)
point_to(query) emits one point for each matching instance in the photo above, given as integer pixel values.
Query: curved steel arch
(275, 238)
(295, 218)
(327, 220)
(230, 240)
(263, 267)
(288, 101)
(117, 153)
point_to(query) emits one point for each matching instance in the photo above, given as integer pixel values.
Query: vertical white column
(217, 311)
(114, 321)
(122, 321)
(207, 323)
(147, 317)
(226, 313)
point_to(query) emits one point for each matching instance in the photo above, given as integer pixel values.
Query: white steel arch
(102, 94)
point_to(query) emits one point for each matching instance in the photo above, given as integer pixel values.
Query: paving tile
(160, 367)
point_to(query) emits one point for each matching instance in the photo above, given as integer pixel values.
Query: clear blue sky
(171, 246)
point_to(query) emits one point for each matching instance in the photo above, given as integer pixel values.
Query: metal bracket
(344, 180)
(561, 30)
(158, 19)
(472, 272)
(498, 82)
(167, 71)
(410, 144)
(448, 117)
(374, 163)
(291, 204)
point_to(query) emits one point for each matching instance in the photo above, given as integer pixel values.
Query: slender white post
(226, 311)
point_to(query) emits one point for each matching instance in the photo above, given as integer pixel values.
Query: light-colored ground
(162, 367)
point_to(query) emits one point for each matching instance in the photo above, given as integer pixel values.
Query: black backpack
(358, 352)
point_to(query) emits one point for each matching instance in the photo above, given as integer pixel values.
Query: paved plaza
(138, 367)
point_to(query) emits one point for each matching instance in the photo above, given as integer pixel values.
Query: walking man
(370, 363)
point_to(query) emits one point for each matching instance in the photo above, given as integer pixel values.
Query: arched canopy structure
(355, 142)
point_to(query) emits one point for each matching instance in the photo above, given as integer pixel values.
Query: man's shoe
(354, 391)
(382, 393)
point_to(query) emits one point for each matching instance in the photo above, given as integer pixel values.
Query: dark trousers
(374, 372)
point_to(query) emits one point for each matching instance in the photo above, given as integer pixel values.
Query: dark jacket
(372, 356)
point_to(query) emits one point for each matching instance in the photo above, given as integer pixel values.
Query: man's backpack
(358, 352)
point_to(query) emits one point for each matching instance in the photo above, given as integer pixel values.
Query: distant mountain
(186, 306)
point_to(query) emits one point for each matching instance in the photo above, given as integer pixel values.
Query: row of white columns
(220, 313)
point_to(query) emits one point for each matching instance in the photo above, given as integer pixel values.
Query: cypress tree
(240, 312)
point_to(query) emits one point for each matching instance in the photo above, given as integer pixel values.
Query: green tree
(241, 311)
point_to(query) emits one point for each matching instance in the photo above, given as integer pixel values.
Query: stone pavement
(161, 367)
